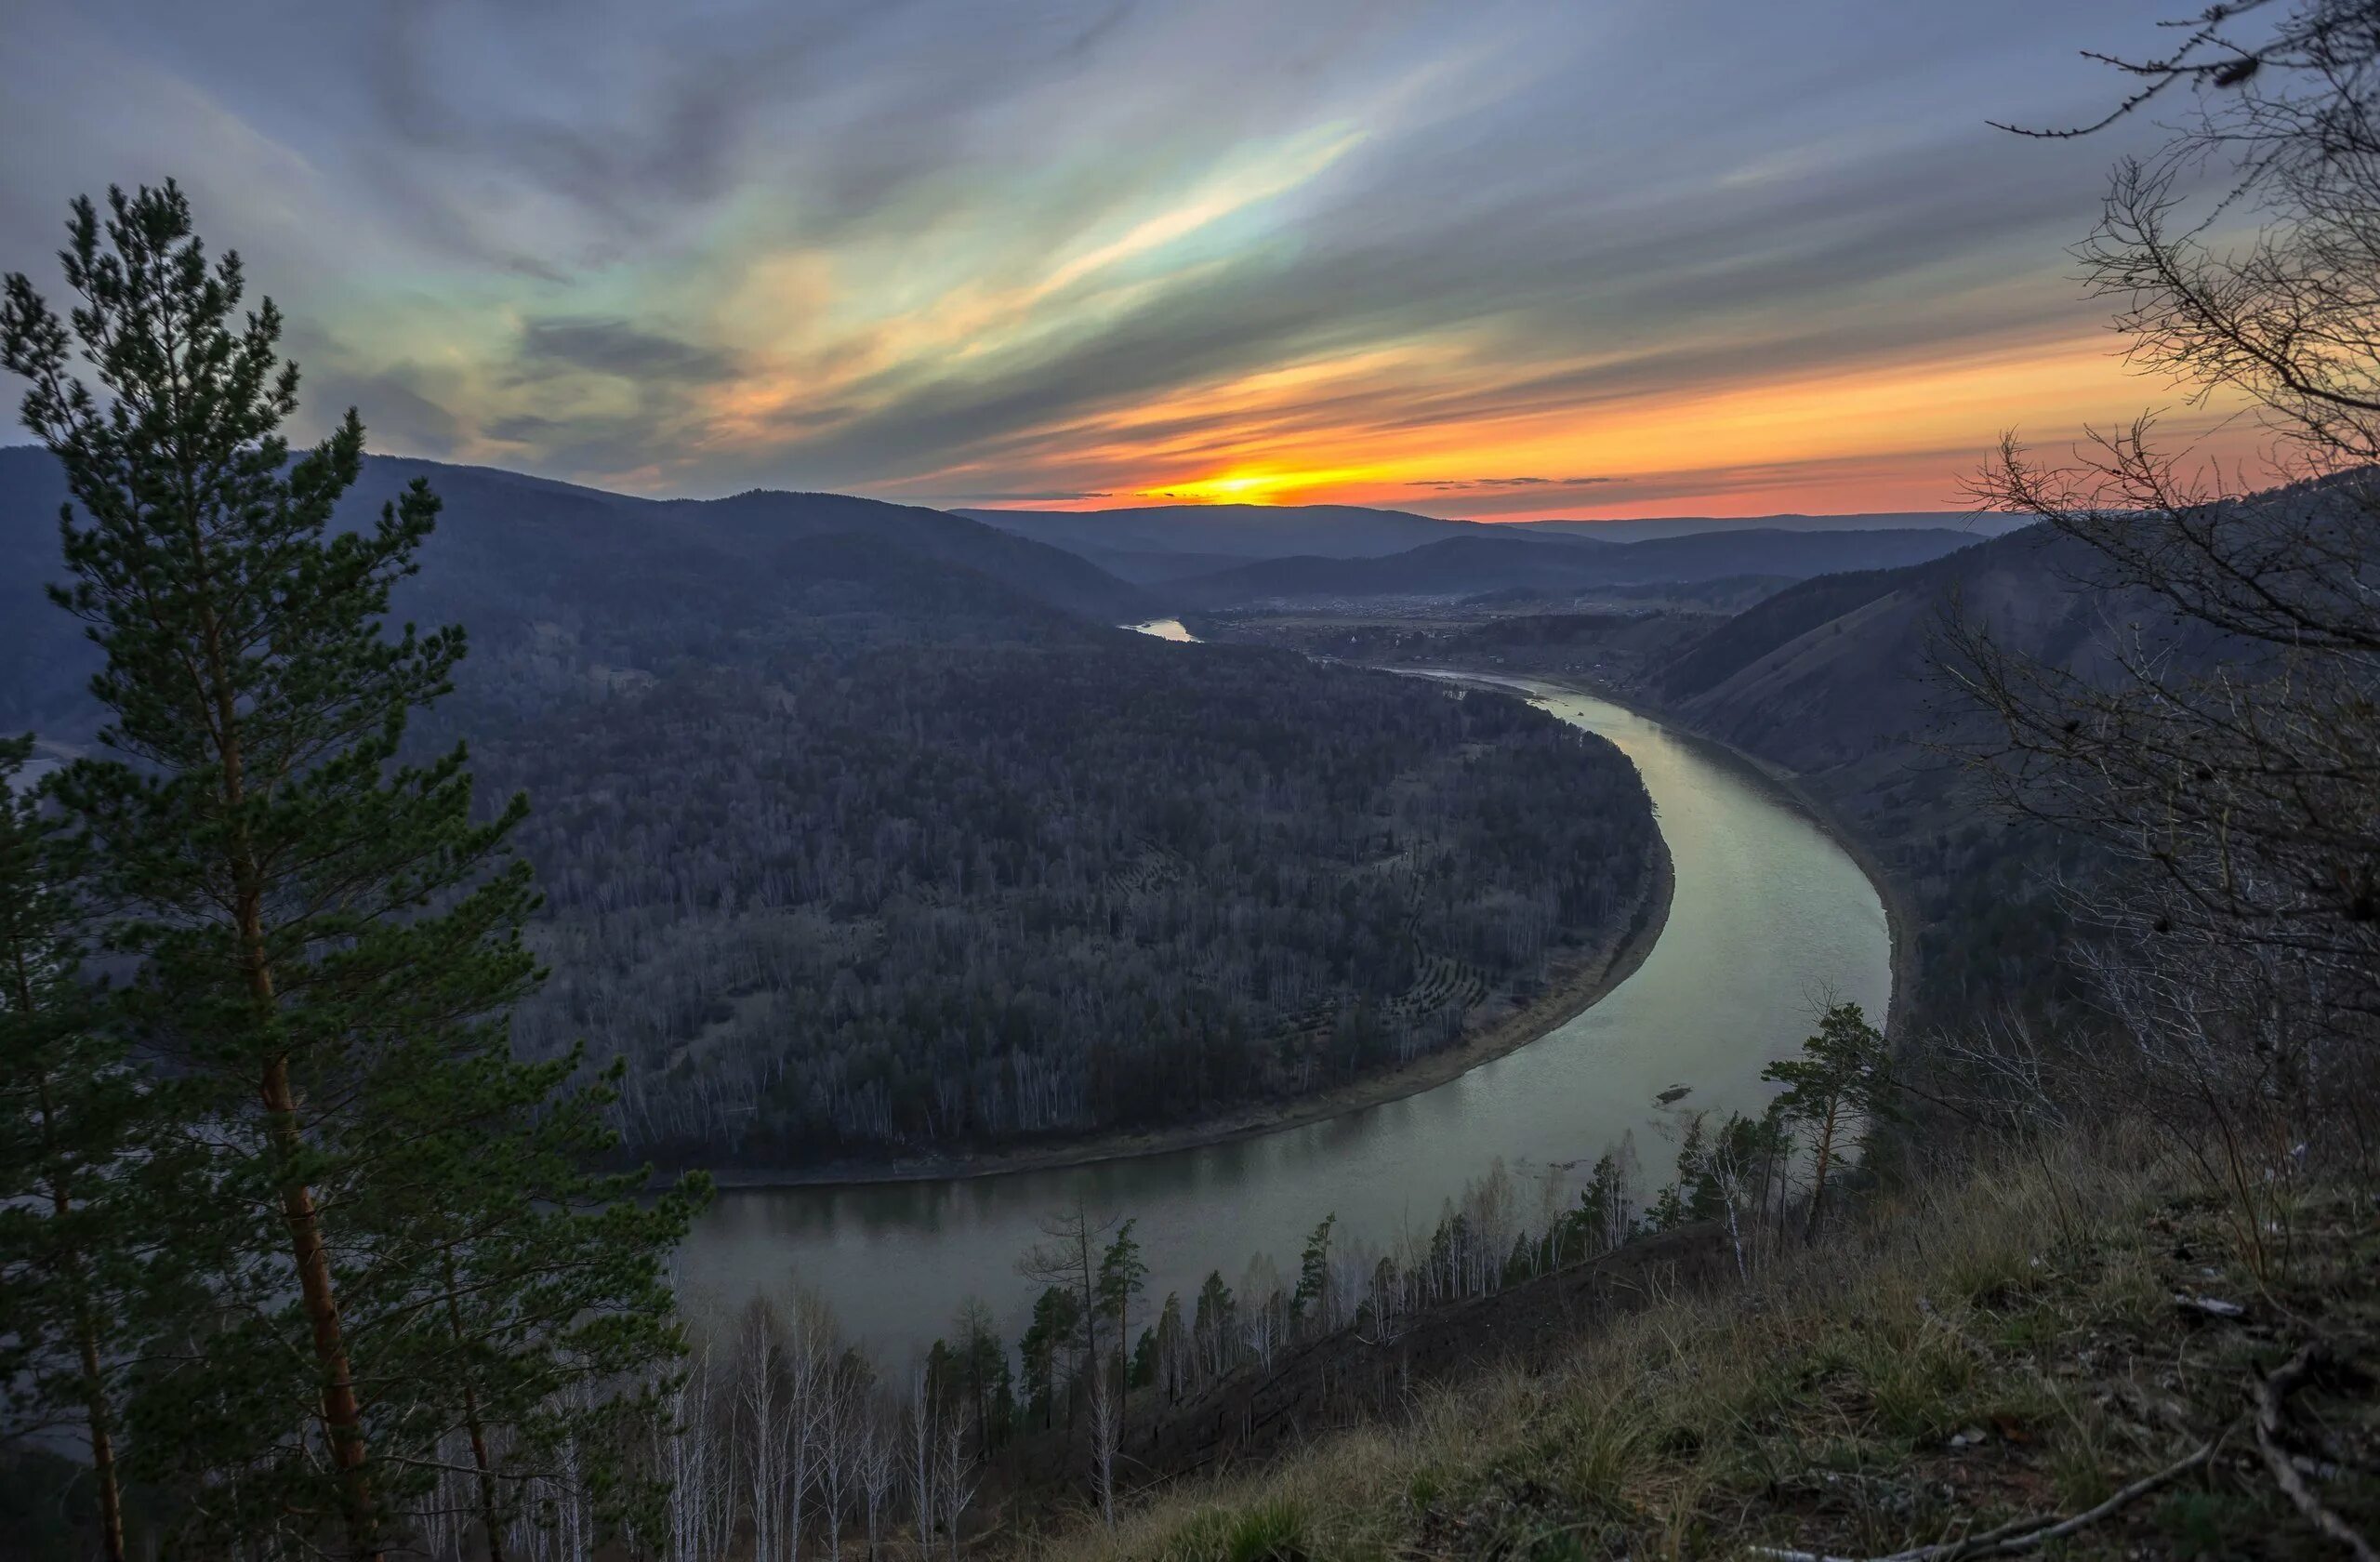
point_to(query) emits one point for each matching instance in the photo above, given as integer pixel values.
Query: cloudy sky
(1487, 257)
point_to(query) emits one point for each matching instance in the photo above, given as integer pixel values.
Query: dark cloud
(1054, 496)
(614, 346)
(1460, 484)
(521, 428)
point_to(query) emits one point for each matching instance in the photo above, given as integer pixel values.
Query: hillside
(1494, 559)
(2073, 1336)
(1834, 670)
(1974, 526)
(632, 584)
(1231, 531)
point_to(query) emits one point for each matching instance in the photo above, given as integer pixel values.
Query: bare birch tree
(954, 1483)
(925, 1439)
(763, 1433)
(878, 1467)
(1106, 1431)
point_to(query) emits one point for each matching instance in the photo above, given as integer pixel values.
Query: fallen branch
(2272, 1395)
(2020, 1535)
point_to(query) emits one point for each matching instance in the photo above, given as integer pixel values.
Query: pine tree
(1122, 1275)
(983, 1362)
(75, 1219)
(1314, 1273)
(1055, 1317)
(1215, 1325)
(1173, 1347)
(1838, 1085)
(543, 1283)
(328, 940)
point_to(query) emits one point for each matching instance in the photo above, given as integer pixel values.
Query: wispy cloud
(1714, 252)
(1470, 484)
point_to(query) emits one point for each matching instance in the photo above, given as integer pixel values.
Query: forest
(918, 898)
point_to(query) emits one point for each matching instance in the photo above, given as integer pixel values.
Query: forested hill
(1491, 559)
(929, 899)
(632, 584)
(863, 830)
(1838, 680)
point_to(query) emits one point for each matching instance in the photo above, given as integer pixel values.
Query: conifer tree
(983, 1363)
(72, 1221)
(1215, 1325)
(1056, 1317)
(1314, 1273)
(542, 1294)
(328, 937)
(1837, 1086)
(1122, 1275)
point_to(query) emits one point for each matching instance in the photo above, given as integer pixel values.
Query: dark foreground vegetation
(2070, 1343)
(287, 1230)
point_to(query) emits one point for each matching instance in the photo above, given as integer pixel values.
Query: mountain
(1979, 525)
(1146, 567)
(1231, 531)
(1491, 559)
(634, 583)
(1131, 542)
(1838, 671)
(1836, 679)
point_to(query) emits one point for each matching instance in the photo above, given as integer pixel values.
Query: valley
(870, 846)
(1764, 903)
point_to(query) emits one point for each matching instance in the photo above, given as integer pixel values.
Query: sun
(1259, 488)
(1257, 485)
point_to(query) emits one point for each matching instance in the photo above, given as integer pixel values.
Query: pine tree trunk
(472, 1424)
(342, 1411)
(102, 1445)
(1825, 1157)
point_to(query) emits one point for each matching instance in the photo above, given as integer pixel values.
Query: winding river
(1769, 915)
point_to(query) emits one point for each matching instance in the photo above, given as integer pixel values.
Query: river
(1768, 917)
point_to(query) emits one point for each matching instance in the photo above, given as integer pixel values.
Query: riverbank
(1571, 989)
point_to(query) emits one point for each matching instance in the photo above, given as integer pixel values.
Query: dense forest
(921, 898)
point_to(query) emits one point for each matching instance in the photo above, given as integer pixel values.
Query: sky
(1496, 258)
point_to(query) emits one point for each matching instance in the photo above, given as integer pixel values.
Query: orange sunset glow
(1386, 256)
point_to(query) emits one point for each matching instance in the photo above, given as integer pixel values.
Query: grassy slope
(1989, 1347)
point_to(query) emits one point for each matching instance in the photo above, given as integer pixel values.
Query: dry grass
(1977, 1350)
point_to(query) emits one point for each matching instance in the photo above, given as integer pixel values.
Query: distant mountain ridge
(632, 583)
(1491, 559)
(1979, 525)
(1231, 531)
(1360, 531)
